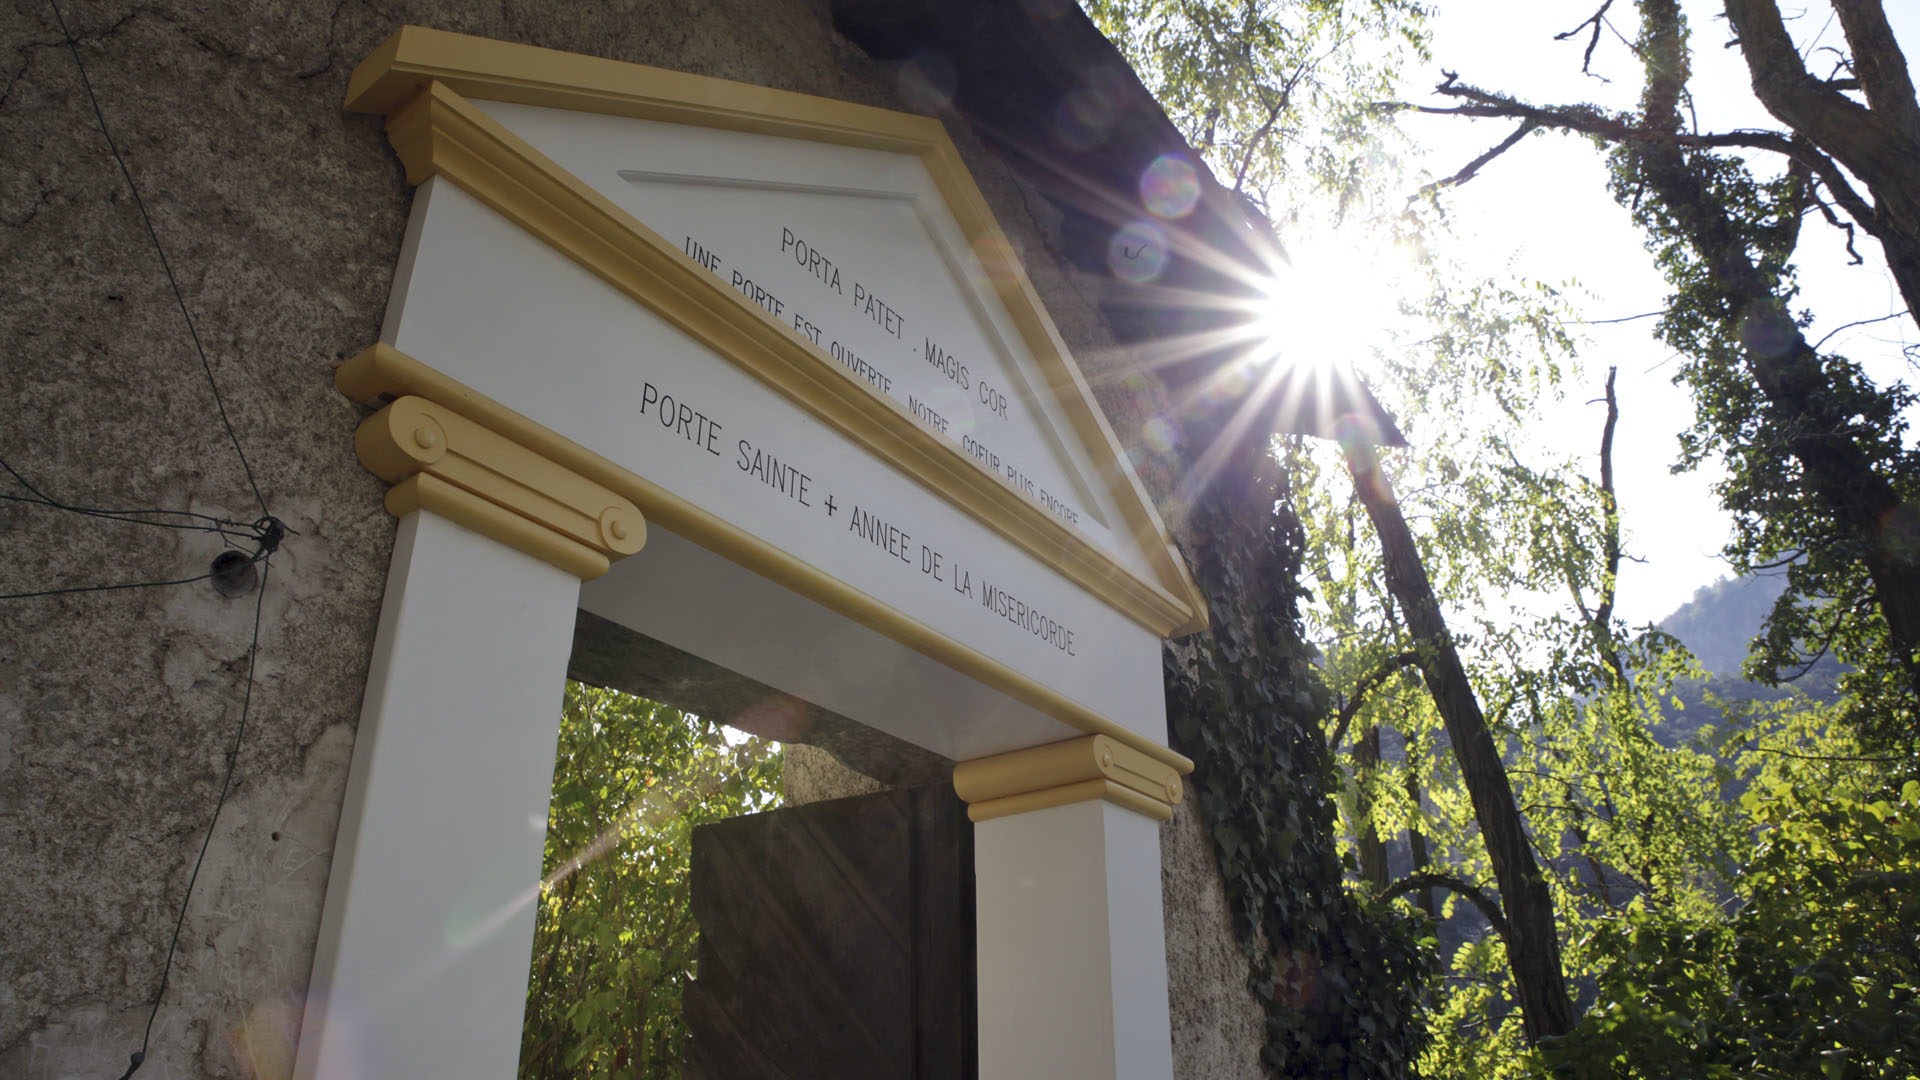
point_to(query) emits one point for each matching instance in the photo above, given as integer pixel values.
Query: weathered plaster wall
(282, 217)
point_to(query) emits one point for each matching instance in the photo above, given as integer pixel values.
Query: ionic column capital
(1078, 770)
(441, 461)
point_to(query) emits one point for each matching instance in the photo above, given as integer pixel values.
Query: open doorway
(741, 883)
(615, 939)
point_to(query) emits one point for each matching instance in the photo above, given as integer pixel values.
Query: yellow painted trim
(439, 134)
(479, 67)
(1096, 767)
(385, 372)
(1083, 791)
(424, 491)
(443, 461)
(418, 78)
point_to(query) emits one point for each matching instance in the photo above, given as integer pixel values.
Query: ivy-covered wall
(1341, 978)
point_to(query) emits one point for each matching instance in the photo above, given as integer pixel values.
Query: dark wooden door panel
(836, 942)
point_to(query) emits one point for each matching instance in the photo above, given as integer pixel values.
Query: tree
(1820, 479)
(1257, 86)
(1620, 824)
(614, 937)
(1247, 81)
(1600, 813)
(1527, 922)
(1815, 973)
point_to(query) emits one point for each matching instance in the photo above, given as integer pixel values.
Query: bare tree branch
(1861, 322)
(1595, 20)
(1833, 219)
(1426, 879)
(1610, 539)
(1621, 319)
(1368, 684)
(1473, 167)
(1588, 120)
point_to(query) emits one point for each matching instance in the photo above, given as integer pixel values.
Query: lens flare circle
(1138, 252)
(1170, 188)
(1084, 119)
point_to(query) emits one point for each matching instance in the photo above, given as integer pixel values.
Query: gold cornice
(1096, 767)
(442, 461)
(440, 134)
(383, 373)
(478, 67)
(419, 77)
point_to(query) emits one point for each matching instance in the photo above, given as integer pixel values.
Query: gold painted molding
(1096, 767)
(442, 461)
(438, 133)
(420, 78)
(383, 373)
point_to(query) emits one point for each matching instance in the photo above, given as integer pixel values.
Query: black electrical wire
(147, 220)
(265, 535)
(105, 588)
(233, 759)
(193, 521)
(267, 532)
(229, 529)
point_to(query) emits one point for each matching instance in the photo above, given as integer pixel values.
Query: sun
(1334, 303)
(1296, 351)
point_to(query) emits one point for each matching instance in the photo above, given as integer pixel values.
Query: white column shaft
(1072, 946)
(421, 965)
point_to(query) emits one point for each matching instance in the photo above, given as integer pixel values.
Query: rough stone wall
(1219, 1027)
(809, 774)
(281, 216)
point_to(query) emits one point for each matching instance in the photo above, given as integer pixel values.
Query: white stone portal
(788, 331)
(495, 308)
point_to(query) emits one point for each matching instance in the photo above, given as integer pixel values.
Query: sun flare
(1334, 303)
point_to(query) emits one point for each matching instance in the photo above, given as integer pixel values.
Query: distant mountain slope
(1719, 623)
(1718, 626)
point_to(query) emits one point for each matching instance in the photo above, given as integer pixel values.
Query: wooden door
(836, 942)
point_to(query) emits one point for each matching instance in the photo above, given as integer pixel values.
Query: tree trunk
(1417, 842)
(1373, 853)
(1788, 372)
(1879, 142)
(1533, 942)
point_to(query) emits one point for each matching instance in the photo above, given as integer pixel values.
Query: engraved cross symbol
(830, 506)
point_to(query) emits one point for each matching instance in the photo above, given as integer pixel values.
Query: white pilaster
(421, 966)
(1072, 948)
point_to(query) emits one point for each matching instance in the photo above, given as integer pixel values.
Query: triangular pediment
(840, 254)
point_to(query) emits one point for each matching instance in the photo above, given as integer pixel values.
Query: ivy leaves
(1343, 979)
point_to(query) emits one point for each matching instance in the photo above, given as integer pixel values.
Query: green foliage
(1709, 934)
(1726, 237)
(1258, 87)
(614, 938)
(1816, 974)
(1516, 543)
